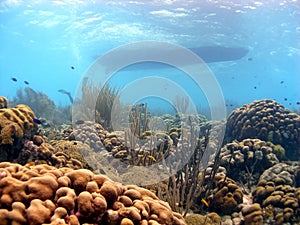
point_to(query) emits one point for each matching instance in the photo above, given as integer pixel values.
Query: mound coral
(209, 219)
(268, 121)
(43, 194)
(225, 196)
(63, 153)
(277, 196)
(252, 214)
(247, 160)
(15, 124)
(3, 102)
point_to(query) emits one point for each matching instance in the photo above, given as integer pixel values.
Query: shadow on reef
(253, 179)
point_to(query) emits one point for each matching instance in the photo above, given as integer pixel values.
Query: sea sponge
(268, 121)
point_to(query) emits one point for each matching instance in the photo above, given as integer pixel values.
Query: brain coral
(268, 121)
(43, 194)
(277, 194)
(3, 102)
(245, 161)
(225, 196)
(15, 125)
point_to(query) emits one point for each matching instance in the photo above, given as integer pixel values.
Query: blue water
(40, 41)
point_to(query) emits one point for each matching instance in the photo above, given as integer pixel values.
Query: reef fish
(205, 202)
(37, 121)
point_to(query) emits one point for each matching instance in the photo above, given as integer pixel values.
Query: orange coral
(42, 194)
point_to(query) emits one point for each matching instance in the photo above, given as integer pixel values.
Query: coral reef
(122, 145)
(47, 195)
(225, 195)
(61, 153)
(16, 125)
(42, 105)
(60, 182)
(3, 102)
(105, 98)
(277, 195)
(209, 219)
(245, 161)
(253, 214)
(283, 171)
(268, 121)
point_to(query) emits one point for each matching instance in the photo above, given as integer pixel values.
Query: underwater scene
(161, 112)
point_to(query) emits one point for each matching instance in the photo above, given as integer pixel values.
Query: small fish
(26, 82)
(205, 202)
(285, 135)
(14, 79)
(30, 164)
(78, 122)
(37, 121)
(151, 157)
(298, 103)
(72, 67)
(282, 82)
(285, 99)
(250, 59)
(255, 87)
(153, 191)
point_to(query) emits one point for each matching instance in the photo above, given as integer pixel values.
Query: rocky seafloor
(81, 174)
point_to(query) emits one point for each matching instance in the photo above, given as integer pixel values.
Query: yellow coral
(3, 102)
(15, 123)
